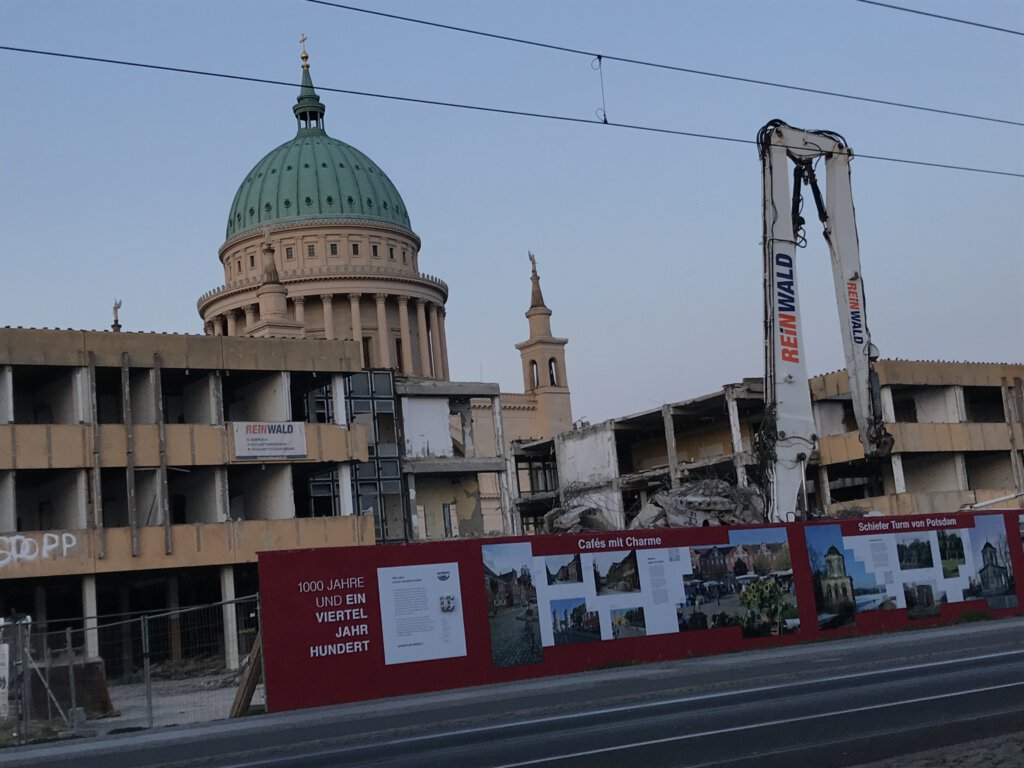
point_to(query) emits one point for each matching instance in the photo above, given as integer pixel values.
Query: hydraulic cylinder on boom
(787, 436)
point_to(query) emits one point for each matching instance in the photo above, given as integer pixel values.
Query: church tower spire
(308, 109)
(543, 358)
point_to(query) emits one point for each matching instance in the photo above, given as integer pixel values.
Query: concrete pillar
(824, 493)
(960, 467)
(960, 414)
(92, 634)
(421, 323)
(435, 341)
(898, 479)
(357, 325)
(174, 620)
(328, 300)
(6, 394)
(383, 335)
(670, 445)
(227, 596)
(300, 311)
(403, 324)
(232, 315)
(737, 437)
(444, 345)
(8, 514)
(888, 411)
(512, 524)
(346, 502)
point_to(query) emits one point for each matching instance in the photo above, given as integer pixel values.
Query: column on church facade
(383, 336)
(357, 325)
(250, 316)
(403, 324)
(435, 341)
(421, 322)
(444, 345)
(232, 315)
(328, 300)
(300, 310)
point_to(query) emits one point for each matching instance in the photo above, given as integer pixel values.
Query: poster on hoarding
(256, 440)
(896, 564)
(421, 612)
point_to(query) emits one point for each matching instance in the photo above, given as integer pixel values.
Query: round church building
(319, 245)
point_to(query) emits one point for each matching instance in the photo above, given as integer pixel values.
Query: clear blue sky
(116, 182)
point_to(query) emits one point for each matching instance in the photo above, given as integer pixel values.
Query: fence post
(26, 680)
(145, 667)
(71, 672)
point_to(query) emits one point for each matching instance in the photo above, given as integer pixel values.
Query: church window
(403, 256)
(534, 377)
(238, 266)
(553, 372)
(252, 260)
(355, 249)
(311, 251)
(334, 249)
(373, 251)
(289, 253)
(391, 252)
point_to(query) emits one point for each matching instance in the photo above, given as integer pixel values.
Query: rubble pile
(575, 518)
(699, 503)
(692, 505)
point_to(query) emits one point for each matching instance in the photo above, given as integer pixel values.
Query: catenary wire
(670, 67)
(940, 16)
(478, 107)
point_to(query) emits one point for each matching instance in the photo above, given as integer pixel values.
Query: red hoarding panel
(365, 622)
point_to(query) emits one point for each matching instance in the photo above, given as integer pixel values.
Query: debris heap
(692, 505)
(699, 503)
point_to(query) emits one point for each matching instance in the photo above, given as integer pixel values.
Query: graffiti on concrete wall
(28, 549)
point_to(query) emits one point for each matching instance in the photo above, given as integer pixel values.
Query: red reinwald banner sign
(366, 622)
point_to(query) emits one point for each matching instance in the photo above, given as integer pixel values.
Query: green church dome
(314, 177)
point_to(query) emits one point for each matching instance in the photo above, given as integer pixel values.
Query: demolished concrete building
(959, 431)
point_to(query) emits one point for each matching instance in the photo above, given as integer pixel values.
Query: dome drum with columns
(345, 256)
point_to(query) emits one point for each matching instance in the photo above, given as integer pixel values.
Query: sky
(115, 182)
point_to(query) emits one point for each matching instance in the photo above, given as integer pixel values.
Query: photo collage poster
(593, 596)
(913, 570)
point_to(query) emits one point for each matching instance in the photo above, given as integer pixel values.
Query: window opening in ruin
(534, 376)
(553, 372)
(984, 405)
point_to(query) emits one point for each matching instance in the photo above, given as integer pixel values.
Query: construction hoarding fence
(364, 622)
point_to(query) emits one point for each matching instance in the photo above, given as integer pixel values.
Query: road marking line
(651, 705)
(736, 728)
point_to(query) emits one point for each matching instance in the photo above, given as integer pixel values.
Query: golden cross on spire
(305, 56)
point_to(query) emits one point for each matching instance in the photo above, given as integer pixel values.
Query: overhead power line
(940, 16)
(669, 67)
(477, 107)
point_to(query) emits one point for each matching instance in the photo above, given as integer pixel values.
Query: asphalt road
(840, 703)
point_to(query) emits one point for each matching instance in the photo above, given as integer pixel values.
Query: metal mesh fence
(117, 674)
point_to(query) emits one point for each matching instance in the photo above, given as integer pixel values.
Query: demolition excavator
(787, 436)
